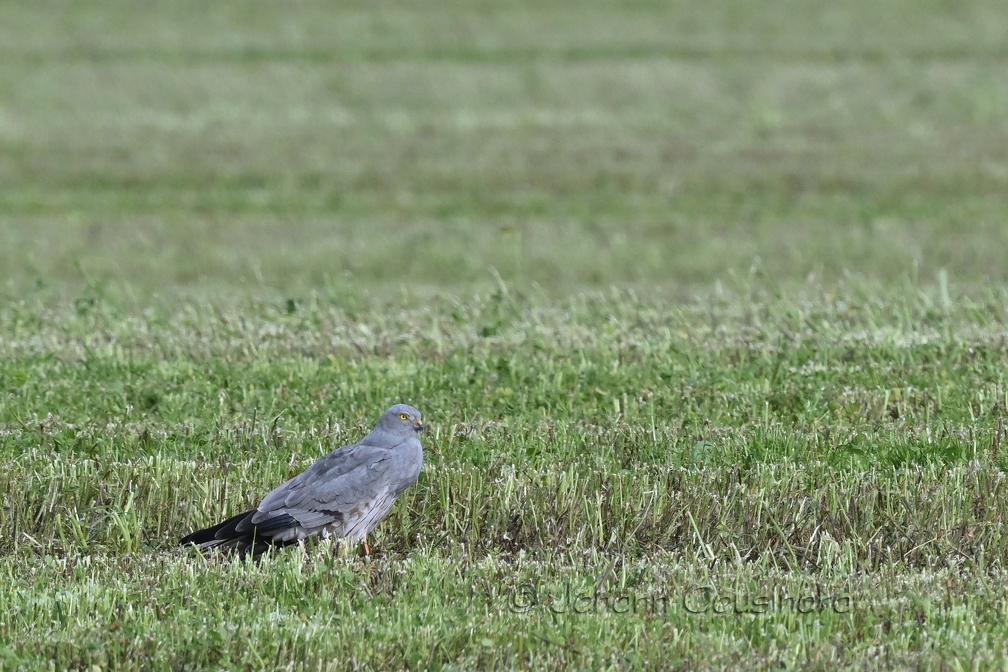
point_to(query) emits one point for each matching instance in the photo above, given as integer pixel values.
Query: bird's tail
(237, 533)
(218, 534)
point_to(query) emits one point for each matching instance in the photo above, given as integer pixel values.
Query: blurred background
(235, 148)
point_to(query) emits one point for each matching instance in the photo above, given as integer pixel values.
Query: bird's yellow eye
(403, 416)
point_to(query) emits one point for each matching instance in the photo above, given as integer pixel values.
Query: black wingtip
(239, 535)
(221, 532)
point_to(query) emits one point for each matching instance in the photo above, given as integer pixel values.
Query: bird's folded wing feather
(330, 488)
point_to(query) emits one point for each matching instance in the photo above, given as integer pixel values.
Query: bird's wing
(328, 490)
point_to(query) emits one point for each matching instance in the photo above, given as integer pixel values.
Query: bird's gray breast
(407, 459)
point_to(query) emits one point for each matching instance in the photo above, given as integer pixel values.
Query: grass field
(706, 306)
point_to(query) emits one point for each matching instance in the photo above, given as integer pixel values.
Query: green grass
(247, 146)
(705, 306)
(844, 444)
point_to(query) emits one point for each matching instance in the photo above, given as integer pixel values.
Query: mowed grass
(705, 307)
(598, 470)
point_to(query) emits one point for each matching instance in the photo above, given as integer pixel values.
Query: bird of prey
(344, 494)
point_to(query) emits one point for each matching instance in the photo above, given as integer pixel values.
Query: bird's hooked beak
(418, 427)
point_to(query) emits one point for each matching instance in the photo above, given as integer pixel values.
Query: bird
(344, 494)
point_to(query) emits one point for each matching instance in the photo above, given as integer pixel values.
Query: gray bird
(344, 494)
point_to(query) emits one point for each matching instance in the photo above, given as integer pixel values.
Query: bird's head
(401, 419)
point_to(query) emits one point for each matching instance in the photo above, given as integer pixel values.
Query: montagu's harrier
(344, 495)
